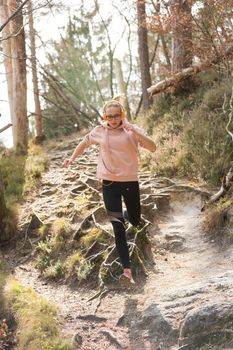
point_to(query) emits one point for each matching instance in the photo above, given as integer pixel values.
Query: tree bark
(157, 8)
(181, 34)
(2, 212)
(188, 72)
(9, 18)
(38, 116)
(122, 87)
(6, 47)
(143, 54)
(18, 57)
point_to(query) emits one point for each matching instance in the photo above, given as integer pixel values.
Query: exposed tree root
(112, 339)
(97, 263)
(87, 223)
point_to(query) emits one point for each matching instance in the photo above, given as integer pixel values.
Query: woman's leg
(113, 205)
(131, 197)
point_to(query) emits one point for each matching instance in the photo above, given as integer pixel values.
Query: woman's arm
(88, 140)
(144, 140)
(77, 152)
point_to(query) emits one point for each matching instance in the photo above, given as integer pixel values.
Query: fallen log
(188, 72)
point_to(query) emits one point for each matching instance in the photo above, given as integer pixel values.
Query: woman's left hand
(130, 127)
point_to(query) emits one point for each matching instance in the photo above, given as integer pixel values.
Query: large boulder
(211, 324)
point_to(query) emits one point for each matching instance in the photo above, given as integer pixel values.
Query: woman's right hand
(67, 163)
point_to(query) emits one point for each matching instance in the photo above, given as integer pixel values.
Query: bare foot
(128, 274)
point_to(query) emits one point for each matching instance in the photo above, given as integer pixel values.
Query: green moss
(12, 172)
(19, 175)
(73, 260)
(55, 271)
(60, 229)
(3, 276)
(37, 323)
(43, 230)
(93, 235)
(44, 250)
(34, 166)
(84, 270)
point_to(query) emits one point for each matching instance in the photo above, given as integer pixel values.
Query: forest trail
(191, 275)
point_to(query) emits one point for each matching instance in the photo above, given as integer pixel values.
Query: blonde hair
(115, 102)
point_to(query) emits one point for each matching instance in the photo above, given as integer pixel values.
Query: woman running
(118, 171)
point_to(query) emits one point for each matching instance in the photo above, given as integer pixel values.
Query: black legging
(112, 193)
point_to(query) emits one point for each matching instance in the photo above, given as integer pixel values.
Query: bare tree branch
(128, 42)
(13, 35)
(110, 51)
(13, 15)
(230, 113)
(5, 127)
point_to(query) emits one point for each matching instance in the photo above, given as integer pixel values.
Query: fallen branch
(230, 113)
(188, 72)
(5, 127)
(227, 183)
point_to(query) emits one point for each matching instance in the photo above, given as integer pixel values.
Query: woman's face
(113, 115)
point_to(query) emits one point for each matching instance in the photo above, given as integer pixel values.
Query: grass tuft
(218, 220)
(37, 322)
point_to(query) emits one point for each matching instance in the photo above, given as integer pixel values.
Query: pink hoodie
(118, 156)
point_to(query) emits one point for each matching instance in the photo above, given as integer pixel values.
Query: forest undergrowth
(190, 130)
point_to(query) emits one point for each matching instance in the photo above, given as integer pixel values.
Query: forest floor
(189, 283)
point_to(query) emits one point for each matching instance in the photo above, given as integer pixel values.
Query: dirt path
(189, 272)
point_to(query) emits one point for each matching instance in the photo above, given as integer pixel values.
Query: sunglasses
(113, 117)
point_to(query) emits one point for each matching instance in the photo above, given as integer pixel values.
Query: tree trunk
(6, 47)
(157, 8)
(38, 116)
(122, 87)
(18, 57)
(2, 212)
(181, 34)
(143, 54)
(165, 50)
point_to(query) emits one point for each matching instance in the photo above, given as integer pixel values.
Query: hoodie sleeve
(143, 139)
(93, 137)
